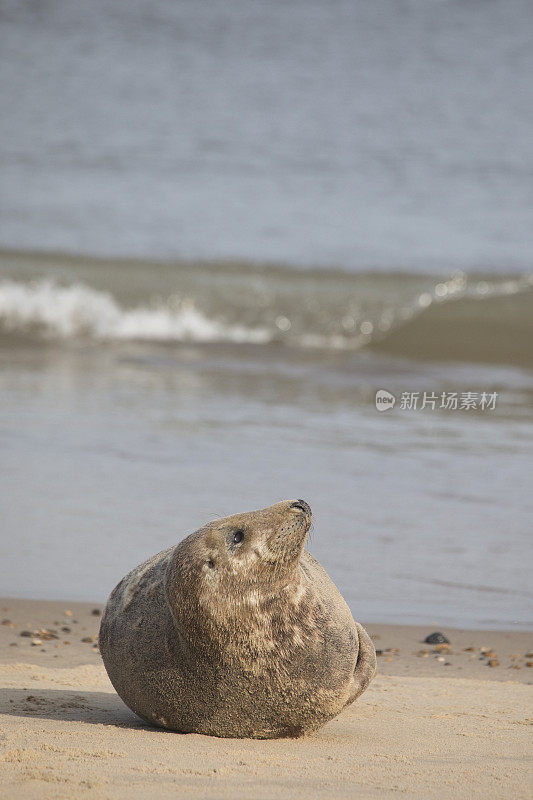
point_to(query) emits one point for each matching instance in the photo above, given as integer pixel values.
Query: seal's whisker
(215, 515)
(310, 533)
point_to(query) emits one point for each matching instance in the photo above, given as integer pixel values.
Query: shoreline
(401, 649)
(441, 724)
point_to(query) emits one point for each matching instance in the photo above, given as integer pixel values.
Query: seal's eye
(237, 537)
(211, 564)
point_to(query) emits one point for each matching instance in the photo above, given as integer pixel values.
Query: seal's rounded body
(236, 631)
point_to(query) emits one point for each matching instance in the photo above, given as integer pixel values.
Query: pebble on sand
(96, 612)
(46, 633)
(436, 638)
(493, 662)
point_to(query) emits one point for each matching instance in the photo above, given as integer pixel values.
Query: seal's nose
(302, 506)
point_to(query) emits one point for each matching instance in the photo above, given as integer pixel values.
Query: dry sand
(425, 728)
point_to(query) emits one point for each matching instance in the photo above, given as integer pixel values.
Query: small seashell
(46, 634)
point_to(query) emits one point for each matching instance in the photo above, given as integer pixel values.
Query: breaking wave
(48, 310)
(465, 318)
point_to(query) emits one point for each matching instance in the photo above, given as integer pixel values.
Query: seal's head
(236, 558)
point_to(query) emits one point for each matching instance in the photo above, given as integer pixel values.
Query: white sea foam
(78, 310)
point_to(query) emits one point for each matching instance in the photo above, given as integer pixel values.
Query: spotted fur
(248, 639)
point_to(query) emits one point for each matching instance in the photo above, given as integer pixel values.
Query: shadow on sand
(97, 708)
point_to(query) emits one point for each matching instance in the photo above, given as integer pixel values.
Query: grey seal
(237, 631)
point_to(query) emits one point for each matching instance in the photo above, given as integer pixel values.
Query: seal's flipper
(366, 665)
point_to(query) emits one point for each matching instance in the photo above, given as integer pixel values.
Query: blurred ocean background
(223, 227)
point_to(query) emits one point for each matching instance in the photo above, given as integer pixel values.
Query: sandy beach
(434, 723)
(255, 253)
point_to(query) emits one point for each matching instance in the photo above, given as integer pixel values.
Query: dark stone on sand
(6, 622)
(65, 629)
(96, 612)
(26, 633)
(436, 638)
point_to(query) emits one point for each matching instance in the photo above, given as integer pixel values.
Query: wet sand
(434, 723)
